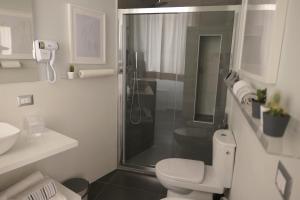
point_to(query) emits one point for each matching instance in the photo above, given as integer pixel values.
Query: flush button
(283, 181)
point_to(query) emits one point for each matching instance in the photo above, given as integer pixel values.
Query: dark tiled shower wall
(140, 137)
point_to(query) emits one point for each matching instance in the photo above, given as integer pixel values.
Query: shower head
(158, 3)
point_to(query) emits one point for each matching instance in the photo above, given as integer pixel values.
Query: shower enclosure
(171, 94)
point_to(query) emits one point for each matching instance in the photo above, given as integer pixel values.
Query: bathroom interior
(149, 99)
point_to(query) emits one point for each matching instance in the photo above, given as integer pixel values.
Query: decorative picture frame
(87, 35)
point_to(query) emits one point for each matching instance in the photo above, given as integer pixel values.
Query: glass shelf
(287, 146)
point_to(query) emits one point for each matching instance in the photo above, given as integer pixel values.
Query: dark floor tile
(163, 193)
(114, 192)
(137, 181)
(95, 189)
(217, 196)
(107, 178)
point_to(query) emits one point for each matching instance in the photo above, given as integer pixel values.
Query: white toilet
(191, 179)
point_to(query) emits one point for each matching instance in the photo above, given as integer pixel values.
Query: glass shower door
(173, 93)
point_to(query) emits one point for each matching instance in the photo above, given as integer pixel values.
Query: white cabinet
(262, 31)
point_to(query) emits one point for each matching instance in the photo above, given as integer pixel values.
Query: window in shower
(174, 98)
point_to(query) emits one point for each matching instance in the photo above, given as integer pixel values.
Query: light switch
(283, 181)
(25, 100)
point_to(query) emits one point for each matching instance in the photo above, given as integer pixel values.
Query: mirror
(16, 36)
(264, 25)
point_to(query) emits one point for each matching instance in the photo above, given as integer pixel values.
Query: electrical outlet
(283, 181)
(25, 100)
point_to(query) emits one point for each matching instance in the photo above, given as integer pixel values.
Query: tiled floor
(122, 185)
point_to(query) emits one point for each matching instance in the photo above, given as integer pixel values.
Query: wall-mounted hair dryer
(44, 52)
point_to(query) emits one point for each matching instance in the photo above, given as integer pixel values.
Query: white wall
(255, 170)
(82, 109)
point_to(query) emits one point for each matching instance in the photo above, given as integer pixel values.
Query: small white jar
(71, 75)
(263, 109)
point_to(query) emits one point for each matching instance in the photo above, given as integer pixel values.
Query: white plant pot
(71, 75)
(263, 109)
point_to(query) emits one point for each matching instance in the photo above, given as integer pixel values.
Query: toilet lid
(182, 169)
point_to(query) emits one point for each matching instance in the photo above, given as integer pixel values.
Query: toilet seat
(183, 170)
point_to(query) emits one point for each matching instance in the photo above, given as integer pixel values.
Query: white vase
(71, 75)
(263, 109)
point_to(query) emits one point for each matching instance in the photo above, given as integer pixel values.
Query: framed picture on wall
(87, 35)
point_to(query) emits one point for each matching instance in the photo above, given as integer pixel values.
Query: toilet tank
(223, 156)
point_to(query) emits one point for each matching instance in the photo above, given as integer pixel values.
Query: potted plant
(275, 120)
(261, 96)
(71, 72)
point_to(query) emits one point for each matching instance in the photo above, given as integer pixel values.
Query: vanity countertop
(28, 151)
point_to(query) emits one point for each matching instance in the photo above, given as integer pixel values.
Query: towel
(59, 196)
(247, 99)
(239, 85)
(22, 185)
(43, 190)
(244, 92)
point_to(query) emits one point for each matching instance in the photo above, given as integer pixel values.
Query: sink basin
(8, 137)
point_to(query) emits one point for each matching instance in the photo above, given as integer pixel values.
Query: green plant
(71, 68)
(261, 95)
(274, 105)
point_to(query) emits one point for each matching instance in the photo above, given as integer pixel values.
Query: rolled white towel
(243, 92)
(247, 99)
(59, 196)
(43, 190)
(238, 85)
(22, 185)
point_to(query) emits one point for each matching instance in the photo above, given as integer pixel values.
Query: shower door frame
(121, 55)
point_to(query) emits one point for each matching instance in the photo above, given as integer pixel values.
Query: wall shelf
(28, 151)
(284, 146)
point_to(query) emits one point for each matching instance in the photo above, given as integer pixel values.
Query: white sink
(8, 137)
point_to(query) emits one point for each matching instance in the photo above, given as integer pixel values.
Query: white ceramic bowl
(8, 137)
